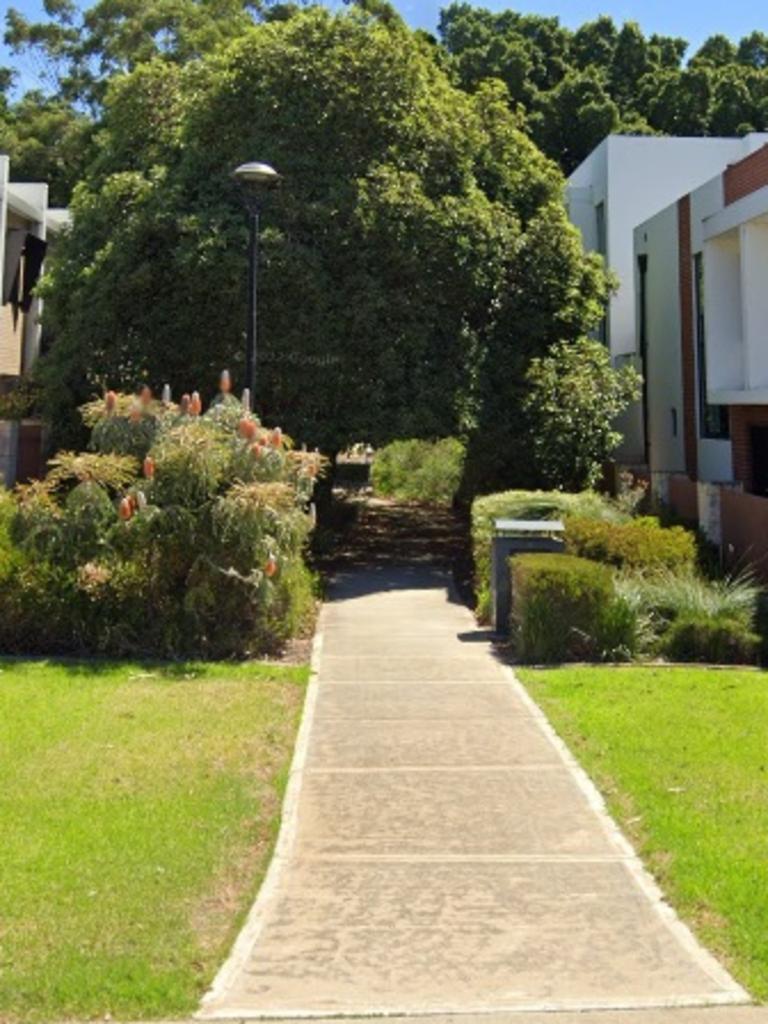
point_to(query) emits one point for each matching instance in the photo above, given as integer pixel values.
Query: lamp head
(257, 175)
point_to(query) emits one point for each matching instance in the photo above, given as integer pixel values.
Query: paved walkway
(440, 853)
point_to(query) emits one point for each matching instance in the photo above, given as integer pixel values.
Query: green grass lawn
(681, 755)
(138, 808)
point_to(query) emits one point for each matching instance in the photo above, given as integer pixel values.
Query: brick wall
(748, 175)
(687, 349)
(742, 418)
(683, 498)
(744, 523)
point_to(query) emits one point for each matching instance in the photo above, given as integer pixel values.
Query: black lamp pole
(253, 178)
(251, 333)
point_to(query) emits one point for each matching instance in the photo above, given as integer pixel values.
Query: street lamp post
(254, 179)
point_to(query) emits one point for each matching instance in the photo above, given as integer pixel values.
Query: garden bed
(680, 756)
(139, 808)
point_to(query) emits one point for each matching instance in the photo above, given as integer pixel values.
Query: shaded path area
(440, 854)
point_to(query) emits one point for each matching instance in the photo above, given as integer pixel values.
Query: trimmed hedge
(637, 544)
(415, 470)
(525, 505)
(719, 641)
(565, 608)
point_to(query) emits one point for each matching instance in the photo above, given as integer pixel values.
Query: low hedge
(525, 505)
(565, 608)
(718, 641)
(416, 470)
(636, 544)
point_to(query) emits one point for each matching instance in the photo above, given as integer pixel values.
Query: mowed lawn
(681, 755)
(138, 808)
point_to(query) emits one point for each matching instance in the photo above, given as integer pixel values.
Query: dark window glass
(642, 271)
(602, 248)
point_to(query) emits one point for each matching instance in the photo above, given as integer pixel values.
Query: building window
(602, 248)
(713, 419)
(642, 273)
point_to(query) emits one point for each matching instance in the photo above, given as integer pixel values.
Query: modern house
(701, 283)
(624, 181)
(26, 222)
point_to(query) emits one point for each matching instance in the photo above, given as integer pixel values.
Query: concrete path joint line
(441, 852)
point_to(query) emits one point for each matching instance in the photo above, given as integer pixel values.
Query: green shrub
(718, 641)
(10, 556)
(416, 470)
(524, 505)
(761, 624)
(668, 596)
(638, 543)
(566, 609)
(199, 551)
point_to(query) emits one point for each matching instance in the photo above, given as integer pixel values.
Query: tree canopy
(576, 86)
(419, 244)
(418, 256)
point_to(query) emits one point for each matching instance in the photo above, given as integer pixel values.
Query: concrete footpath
(442, 854)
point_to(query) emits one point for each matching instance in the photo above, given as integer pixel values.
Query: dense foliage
(524, 505)
(572, 405)
(577, 86)
(566, 608)
(688, 617)
(640, 543)
(416, 258)
(717, 641)
(178, 534)
(414, 470)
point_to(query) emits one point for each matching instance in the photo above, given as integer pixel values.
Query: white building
(25, 224)
(624, 181)
(701, 272)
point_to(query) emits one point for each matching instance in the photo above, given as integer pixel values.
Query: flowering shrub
(180, 533)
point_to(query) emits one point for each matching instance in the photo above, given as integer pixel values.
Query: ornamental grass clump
(691, 618)
(181, 533)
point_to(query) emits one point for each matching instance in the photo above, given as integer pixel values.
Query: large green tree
(46, 139)
(416, 257)
(605, 77)
(80, 49)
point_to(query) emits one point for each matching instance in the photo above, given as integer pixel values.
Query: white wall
(715, 458)
(646, 174)
(753, 240)
(636, 177)
(658, 238)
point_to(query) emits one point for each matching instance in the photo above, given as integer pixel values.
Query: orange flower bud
(270, 567)
(149, 467)
(277, 437)
(111, 401)
(225, 382)
(125, 509)
(256, 450)
(145, 395)
(247, 429)
(184, 404)
(195, 404)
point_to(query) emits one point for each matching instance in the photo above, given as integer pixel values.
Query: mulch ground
(363, 530)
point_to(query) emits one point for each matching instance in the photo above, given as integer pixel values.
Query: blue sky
(692, 19)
